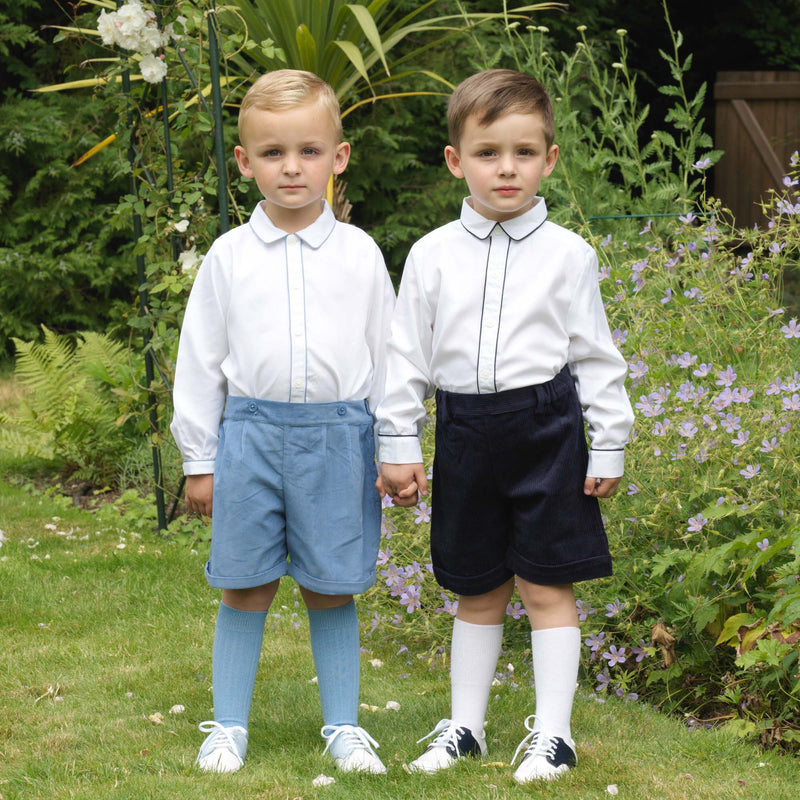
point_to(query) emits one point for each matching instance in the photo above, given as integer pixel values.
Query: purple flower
(792, 404)
(422, 513)
(387, 501)
(516, 611)
(731, 422)
(614, 655)
(696, 524)
(602, 681)
(594, 641)
(704, 163)
(685, 360)
(647, 228)
(688, 219)
(702, 370)
(641, 651)
(612, 609)
(619, 337)
(792, 330)
(768, 445)
(687, 429)
(726, 377)
(637, 370)
(584, 610)
(741, 438)
(750, 471)
(633, 488)
(762, 545)
(410, 598)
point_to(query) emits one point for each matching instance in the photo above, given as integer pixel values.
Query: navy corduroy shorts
(508, 497)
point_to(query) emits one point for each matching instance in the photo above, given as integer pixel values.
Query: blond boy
(281, 360)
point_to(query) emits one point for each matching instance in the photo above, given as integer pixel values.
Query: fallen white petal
(612, 789)
(376, 662)
(393, 705)
(177, 709)
(323, 780)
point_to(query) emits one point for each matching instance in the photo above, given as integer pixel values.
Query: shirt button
(490, 323)
(298, 384)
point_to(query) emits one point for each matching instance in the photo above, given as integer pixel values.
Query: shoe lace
(537, 742)
(221, 733)
(446, 733)
(350, 734)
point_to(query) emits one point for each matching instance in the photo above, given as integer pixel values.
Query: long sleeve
(599, 371)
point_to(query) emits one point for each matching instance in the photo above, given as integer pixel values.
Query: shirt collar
(314, 235)
(516, 228)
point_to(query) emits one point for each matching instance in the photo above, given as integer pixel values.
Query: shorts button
(253, 407)
(341, 411)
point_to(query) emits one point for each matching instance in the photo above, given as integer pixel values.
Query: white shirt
(297, 318)
(484, 307)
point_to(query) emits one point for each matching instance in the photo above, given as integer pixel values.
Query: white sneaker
(352, 749)
(224, 748)
(451, 744)
(545, 757)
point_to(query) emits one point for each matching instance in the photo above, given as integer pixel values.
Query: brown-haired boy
(501, 312)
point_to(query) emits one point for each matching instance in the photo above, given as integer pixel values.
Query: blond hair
(494, 92)
(289, 88)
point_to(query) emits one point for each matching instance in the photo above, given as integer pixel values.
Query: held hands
(404, 483)
(600, 487)
(199, 493)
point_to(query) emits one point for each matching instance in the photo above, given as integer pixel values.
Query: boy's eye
(486, 153)
(526, 151)
(273, 153)
(309, 151)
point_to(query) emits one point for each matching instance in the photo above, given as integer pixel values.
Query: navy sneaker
(451, 743)
(545, 757)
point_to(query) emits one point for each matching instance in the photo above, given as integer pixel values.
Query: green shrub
(70, 411)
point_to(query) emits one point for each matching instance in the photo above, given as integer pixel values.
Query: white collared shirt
(297, 318)
(484, 307)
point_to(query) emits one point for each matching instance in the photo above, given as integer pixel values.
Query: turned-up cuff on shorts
(559, 574)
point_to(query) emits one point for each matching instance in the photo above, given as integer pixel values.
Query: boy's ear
(341, 157)
(550, 160)
(243, 161)
(453, 161)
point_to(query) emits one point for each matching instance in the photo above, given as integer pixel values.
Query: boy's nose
(291, 164)
(506, 165)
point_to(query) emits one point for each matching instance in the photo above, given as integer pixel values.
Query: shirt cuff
(399, 450)
(606, 464)
(198, 467)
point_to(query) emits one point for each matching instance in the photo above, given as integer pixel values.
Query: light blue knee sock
(237, 647)
(337, 658)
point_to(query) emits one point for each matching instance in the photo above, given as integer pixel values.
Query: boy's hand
(404, 482)
(600, 487)
(200, 493)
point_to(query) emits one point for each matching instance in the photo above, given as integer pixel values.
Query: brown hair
(490, 94)
(289, 88)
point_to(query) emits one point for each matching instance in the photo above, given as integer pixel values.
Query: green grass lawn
(105, 631)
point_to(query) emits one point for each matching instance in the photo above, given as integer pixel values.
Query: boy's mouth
(507, 190)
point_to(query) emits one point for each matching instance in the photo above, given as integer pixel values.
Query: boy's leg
(237, 647)
(335, 646)
(555, 641)
(477, 640)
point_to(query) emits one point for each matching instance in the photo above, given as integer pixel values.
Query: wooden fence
(757, 124)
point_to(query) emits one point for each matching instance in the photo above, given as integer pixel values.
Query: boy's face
(291, 154)
(503, 163)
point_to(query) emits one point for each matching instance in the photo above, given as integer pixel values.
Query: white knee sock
(473, 663)
(556, 656)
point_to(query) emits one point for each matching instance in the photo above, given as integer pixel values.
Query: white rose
(107, 27)
(153, 68)
(189, 260)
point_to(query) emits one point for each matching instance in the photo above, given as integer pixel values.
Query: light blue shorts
(294, 494)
